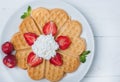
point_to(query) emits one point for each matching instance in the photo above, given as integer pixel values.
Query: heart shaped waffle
(66, 26)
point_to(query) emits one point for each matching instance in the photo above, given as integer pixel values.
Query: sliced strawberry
(63, 41)
(33, 60)
(50, 28)
(56, 60)
(30, 38)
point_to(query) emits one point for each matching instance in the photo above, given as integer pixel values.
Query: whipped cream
(45, 46)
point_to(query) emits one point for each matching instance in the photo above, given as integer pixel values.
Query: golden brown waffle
(21, 56)
(71, 28)
(19, 42)
(66, 27)
(52, 72)
(28, 25)
(40, 16)
(58, 16)
(70, 64)
(77, 46)
(37, 72)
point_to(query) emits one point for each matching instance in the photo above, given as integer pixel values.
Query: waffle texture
(52, 72)
(37, 72)
(70, 64)
(71, 28)
(21, 56)
(40, 16)
(28, 25)
(76, 48)
(19, 42)
(58, 16)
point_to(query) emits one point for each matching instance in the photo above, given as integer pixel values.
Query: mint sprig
(27, 13)
(83, 56)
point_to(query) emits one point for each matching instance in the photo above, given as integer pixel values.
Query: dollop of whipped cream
(45, 46)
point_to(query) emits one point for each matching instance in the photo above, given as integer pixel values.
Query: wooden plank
(101, 79)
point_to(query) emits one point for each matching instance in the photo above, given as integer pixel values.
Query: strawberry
(50, 28)
(10, 61)
(33, 60)
(7, 48)
(30, 38)
(63, 42)
(56, 60)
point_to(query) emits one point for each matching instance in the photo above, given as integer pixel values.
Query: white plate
(19, 75)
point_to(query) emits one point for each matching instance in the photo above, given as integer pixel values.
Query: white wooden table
(104, 18)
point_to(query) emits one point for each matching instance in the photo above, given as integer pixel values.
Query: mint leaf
(83, 59)
(29, 10)
(27, 13)
(83, 56)
(85, 52)
(23, 16)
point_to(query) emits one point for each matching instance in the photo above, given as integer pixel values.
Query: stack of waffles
(65, 26)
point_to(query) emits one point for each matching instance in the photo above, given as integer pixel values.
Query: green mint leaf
(83, 56)
(86, 52)
(27, 13)
(29, 10)
(83, 59)
(23, 16)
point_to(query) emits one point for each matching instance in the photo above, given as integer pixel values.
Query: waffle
(66, 27)
(37, 72)
(71, 28)
(19, 42)
(28, 25)
(70, 64)
(53, 73)
(21, 56)
(77, 46)
(58, 16)
(40, 16)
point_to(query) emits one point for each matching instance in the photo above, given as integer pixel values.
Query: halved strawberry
(33, 60)
(50, 28)
(7, 48)
(30, 38)
(63, 41)
(56, 60)
(10, 61)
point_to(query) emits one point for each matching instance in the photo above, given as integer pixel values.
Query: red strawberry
(56, 60)
(63, 41)
(50, 28)
(10, 61)
(7, 48)
(33, 60)
(30, 38)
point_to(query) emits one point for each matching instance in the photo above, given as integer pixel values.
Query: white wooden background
(104, 17)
